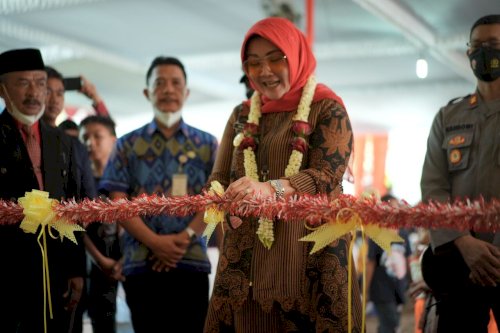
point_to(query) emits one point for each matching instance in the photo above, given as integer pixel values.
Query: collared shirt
(35, 128)
(34, 148)
(145, 161)
(463, 157)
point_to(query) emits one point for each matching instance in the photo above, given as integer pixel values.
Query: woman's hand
(246, 188)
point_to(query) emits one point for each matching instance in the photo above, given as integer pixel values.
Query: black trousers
(102, 301)
(167, 300)
(468, 310)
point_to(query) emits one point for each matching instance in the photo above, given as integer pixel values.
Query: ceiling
(366, 51)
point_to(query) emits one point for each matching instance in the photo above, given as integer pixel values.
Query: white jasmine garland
(255, 113)
(294, 163)
(249, 164)
(265, 231)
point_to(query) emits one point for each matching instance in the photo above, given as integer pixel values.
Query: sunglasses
(275, 62)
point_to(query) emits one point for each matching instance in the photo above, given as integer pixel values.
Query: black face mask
(485, 63)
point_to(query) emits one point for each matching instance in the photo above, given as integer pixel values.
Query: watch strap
(190, 232)
(278, 188)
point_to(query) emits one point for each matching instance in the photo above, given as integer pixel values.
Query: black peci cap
(21, 60)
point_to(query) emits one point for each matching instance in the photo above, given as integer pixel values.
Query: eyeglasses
(493, 44)
(274, 61)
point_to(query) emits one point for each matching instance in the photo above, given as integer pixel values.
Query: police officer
(463, 161)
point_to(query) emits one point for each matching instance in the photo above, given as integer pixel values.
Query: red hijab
(301, 62)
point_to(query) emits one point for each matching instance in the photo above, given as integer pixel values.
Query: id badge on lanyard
(179, 184)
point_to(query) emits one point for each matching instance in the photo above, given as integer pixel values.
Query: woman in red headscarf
(292, 137)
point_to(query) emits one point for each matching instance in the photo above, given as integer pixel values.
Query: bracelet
(278, 188)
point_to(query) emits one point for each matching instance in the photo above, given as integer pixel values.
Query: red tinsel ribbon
(478, 215)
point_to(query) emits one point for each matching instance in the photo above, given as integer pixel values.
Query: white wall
(405, 157)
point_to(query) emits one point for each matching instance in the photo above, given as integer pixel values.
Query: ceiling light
(422, 68)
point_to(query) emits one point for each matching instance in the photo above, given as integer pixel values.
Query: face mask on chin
(485, 63)
(167, 119)
(18, 115)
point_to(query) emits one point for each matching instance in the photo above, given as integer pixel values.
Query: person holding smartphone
(60, 85)
(54, 106)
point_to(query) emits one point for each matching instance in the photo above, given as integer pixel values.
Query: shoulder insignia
(473, 100)
(457, 99)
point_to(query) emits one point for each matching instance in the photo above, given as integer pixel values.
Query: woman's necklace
(246, 141)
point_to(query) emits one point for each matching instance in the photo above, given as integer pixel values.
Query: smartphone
(72, 83)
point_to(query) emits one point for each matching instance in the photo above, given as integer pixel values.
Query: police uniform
(463, 161)
(463, 157)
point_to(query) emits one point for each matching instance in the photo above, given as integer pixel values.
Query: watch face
(278, 188)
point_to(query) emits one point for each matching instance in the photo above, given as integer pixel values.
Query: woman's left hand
(245, 188)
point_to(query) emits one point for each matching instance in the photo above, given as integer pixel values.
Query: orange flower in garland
(301, 128)
(300, 144)
(250, 129)
(248, 142)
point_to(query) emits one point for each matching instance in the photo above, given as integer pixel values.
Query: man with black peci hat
(34, 156)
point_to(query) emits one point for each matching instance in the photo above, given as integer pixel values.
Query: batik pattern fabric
(310, 291)
(145, 161)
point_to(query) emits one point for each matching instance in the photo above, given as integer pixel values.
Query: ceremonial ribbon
(349, 285)
(366, 215)
(348, 221)
(364, 253)
(38, 212)
(349, 282)
(213, 215)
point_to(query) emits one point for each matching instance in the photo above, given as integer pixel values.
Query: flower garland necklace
(246, 141)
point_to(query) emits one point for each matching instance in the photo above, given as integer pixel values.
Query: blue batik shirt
(145, 161)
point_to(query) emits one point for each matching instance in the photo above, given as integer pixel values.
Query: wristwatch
(190, 232)
(278, 188)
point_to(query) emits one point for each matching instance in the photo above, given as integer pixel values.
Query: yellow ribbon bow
(38, 211)
(213, 215)
(333, 230)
